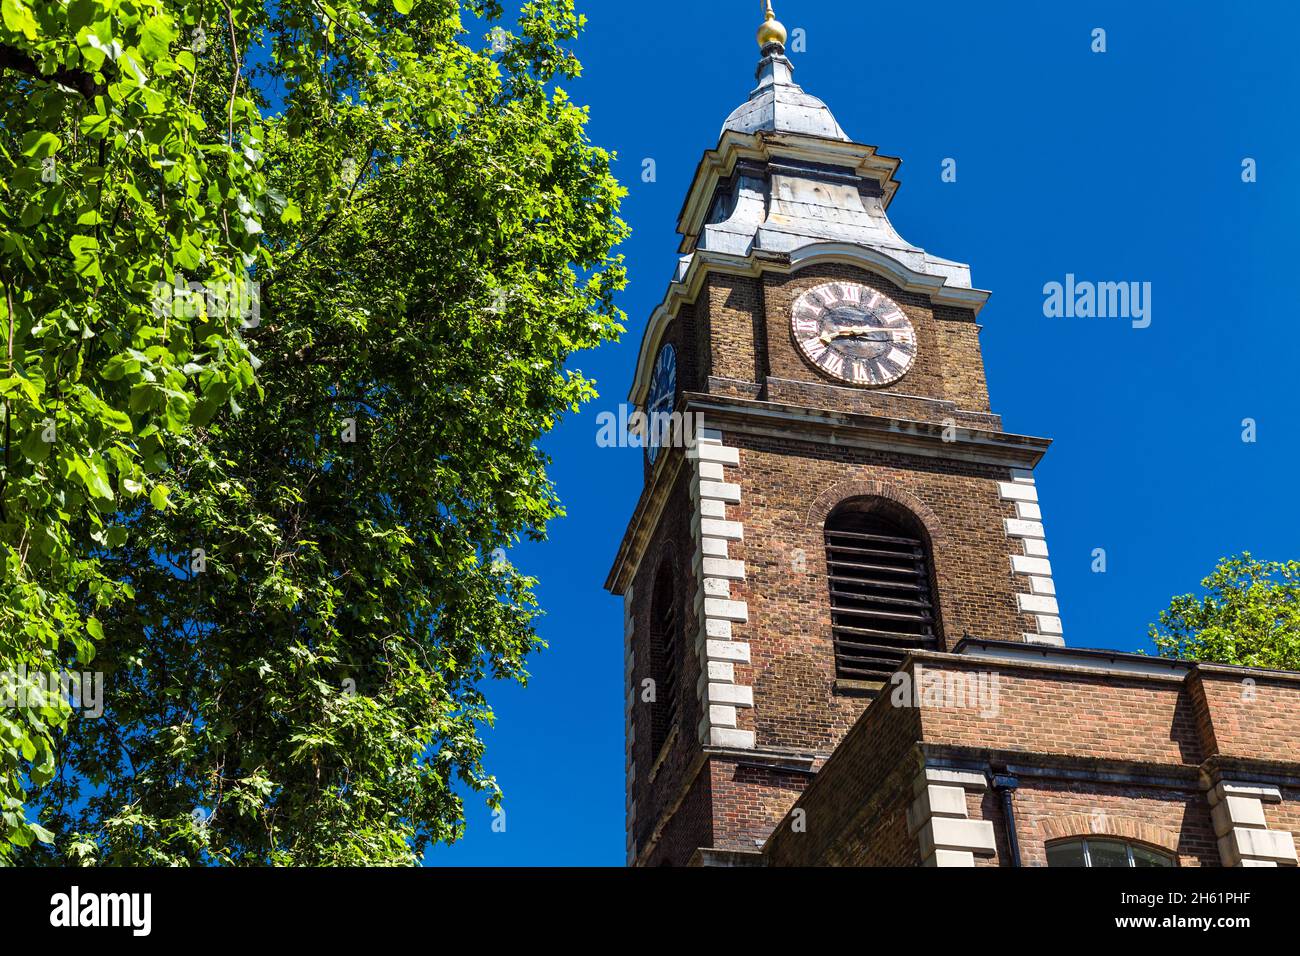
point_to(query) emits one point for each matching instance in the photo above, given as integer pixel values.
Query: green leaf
(118, 421)
(156, 37)
(35, 448)
(158, 496)
(18, 18)
(96, 479)
(39, 144)
(402, 6)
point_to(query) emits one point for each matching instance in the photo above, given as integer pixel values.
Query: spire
(778, 104)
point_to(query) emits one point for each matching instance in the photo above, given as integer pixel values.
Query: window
(1092, 852)
(665, 640)
(879, 570)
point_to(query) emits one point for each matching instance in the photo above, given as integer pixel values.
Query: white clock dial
(854, 333)
(662, 399)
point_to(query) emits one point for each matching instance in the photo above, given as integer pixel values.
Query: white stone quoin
(1244, 837)
(1027, 528)
(940, 823)
(715, 607)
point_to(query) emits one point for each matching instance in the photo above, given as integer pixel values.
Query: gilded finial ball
(772, 31)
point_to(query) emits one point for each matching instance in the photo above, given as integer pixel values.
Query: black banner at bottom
(567, 905)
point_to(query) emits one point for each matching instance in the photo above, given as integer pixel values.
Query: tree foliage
(283, 544)
(1249, 616)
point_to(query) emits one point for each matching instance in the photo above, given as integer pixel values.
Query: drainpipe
(1005, 785)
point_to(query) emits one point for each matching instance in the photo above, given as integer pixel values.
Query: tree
(1249, 616)
(117, 178)
(296, 675)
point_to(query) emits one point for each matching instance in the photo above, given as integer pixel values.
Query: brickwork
(854, 813)
(1250, 711)
(734, 312)
(788, 489)
(885, 404)
(1097, 753)
(661, 778)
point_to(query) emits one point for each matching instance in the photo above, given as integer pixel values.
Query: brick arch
(673, 552)
(827, 501)
(1079, 825)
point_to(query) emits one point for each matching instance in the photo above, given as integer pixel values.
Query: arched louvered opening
(665, 652)
(882, 604)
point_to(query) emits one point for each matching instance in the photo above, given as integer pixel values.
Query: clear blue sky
(1119, 166)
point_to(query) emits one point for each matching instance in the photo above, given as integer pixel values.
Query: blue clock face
(662, 399)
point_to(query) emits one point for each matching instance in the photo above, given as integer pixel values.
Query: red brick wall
(1250, 719)
(733, 323)
(673, 543)
(689, 827)
(787, 487)
(1136, 814)
(749, 800)
(855, 809)
(1097, 716)
(1110, 755)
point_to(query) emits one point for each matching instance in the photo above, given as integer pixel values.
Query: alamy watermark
(219, 299)
(948, 690)
(630, 427)
(75, 909)
(35, 689)
(1083, 299)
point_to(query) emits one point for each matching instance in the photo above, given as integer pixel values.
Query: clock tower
(841, 497)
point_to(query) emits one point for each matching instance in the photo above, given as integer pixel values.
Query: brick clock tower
(849, 498)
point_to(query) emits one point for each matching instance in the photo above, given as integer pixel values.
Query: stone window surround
(1080, 826)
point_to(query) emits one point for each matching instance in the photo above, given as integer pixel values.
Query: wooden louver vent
(881, 605)
(663, 664)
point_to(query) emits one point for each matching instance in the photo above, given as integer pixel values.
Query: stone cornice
(1058, 668)
(843, 429)
(874, 432)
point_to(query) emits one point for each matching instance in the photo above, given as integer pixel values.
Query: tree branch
(12, 58)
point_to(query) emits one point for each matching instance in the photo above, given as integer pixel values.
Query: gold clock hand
(854, 332)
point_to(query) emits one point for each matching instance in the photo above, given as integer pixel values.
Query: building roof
(779, 105)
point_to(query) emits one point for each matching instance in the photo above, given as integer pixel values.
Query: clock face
(662, 399)
(854, 333)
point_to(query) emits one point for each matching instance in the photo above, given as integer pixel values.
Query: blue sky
(1122, 166)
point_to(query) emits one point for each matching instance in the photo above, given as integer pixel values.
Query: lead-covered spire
(778, 104)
